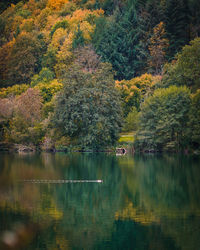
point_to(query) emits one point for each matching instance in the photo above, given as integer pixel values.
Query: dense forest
(76, 73)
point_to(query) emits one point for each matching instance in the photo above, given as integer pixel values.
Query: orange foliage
(84, 15)
(31, 5)
(56, 4)
(5, 52)
(27, 25)
(157, 47)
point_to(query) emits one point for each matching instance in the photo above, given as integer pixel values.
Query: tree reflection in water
(147, 202)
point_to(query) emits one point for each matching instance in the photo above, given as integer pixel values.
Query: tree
(134, 91)
(186, 69)
(118, 41)
(177, 25)
(25, 125)
(157, 47)
(194, 121)
(131, 121)
(163, 120)
(78, 38)
(25, 58)
(29, 106)
(88, 109)
(87, 59)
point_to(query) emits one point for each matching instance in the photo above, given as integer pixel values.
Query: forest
(74, 74)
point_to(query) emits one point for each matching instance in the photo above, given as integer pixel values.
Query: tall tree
(157, 47)
(119, 42)
(177, 21)
(88, 108)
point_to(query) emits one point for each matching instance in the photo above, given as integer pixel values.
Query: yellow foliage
(41, 19)
(58, 38)
(17, 89)
(48, 90)
(60, 69)
(144, 84)
(83, 15)
(65, 53)
(56, 4)
(137, 215)
(51, 21)
(87, 29)
(16, 22)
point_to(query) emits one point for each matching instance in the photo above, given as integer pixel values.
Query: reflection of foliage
(163, 189)
(132, 213)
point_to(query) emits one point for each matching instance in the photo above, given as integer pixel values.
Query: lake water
(143, 202)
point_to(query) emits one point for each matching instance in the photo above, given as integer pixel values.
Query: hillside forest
(74, 74)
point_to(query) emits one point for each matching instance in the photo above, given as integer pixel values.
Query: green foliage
(194, 121)
(131, 121)
(49, 59)
(25, 56)
(78, 39)
(118, 41)
(177, 25)
(186, 70)
(48, 89)
(88, 109)
(134, 91)
(48, 107)
(163, 120)
(68, 9)
(2, 25)
(63, 24)
(24, 13)
(17, 32)
(45, 75)
(109, 6)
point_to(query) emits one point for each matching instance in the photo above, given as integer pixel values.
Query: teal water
(144, 202)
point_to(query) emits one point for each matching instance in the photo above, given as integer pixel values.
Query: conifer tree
(120, 43)
(177, 25)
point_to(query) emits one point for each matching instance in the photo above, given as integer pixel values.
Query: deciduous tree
(88, 109)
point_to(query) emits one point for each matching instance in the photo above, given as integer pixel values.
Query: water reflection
(147, 202)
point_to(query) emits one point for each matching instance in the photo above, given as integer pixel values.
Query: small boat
(121, 151)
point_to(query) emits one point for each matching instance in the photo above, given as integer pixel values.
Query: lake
(151, 202)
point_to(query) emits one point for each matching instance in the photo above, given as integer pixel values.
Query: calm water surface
(150, 203)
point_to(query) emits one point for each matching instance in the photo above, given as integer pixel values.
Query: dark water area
(143, 202)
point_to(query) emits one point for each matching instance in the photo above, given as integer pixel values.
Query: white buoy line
(63, 181)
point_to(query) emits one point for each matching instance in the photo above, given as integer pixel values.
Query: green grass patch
(126, 137)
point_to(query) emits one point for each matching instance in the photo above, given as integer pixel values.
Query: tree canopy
(88, 109)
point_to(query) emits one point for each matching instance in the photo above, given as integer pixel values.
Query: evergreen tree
(120, 43)
(177, 25)
(78, 39)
